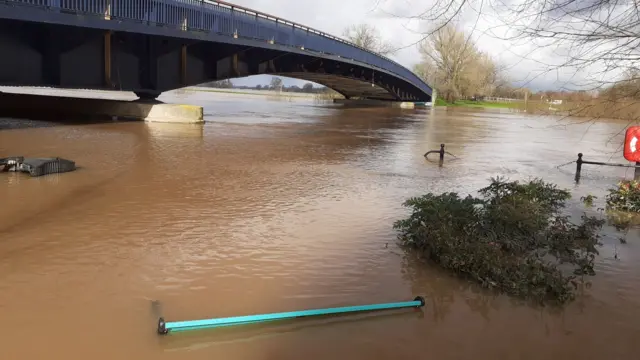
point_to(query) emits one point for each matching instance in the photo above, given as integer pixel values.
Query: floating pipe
(164, 327)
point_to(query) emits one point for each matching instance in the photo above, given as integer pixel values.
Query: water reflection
(169, 130)
(199, 340)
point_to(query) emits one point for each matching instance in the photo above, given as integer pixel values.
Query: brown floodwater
(277, 206)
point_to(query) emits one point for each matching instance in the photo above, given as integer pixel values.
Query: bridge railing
(228, 19)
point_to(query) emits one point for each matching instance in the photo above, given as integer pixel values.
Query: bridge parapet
(230, 20)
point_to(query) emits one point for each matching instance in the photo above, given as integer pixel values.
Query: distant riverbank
(480, 104)
(252, 92)
(439, 102)
(599, 108)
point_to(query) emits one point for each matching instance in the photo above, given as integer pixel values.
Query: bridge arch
(167, 44)
(349, 79)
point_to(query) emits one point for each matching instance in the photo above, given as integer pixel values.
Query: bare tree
(591, 32)
(276, 83)
(600, 35)
(453, 64)
(628, 88)
(427, 71)
(368, 37)
(594, 44)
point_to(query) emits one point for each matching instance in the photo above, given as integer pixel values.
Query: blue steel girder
(349, 80)
(216, 22)
(346, 86)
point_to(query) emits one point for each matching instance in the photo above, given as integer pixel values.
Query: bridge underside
(41, 54)
(347, 86)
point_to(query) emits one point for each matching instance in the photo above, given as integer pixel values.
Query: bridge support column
(51, 51)
(45, 107)
(183, 65)
(107, 60)
(148, 70)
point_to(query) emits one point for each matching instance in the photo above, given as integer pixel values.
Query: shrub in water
(513, 238)
(625, 196)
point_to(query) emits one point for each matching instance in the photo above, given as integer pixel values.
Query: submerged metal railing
(227, 19)
(580, 162)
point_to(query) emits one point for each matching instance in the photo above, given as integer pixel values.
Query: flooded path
(278, 206)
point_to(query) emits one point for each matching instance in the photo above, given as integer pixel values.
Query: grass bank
(595, 108)
(626, 109)
(479, 104)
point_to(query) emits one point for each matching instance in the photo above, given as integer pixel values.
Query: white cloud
(527, 63)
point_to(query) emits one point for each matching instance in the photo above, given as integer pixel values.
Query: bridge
(152, 46)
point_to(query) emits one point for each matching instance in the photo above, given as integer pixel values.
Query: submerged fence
(579, 162)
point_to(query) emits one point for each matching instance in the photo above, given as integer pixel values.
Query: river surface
(278, 206)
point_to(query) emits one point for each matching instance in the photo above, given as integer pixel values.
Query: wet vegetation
(625, 196)
(513, 238)
(623, 207)
(588, 200)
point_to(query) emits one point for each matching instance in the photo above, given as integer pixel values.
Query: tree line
(276, 84)
(452, 63)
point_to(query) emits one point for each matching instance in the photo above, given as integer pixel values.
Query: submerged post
(578, 167)
(440, 152)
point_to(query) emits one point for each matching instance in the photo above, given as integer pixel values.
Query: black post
(441, 152)
(578, 167)
(636, 174)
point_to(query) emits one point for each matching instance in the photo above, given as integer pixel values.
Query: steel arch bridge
(152, 46)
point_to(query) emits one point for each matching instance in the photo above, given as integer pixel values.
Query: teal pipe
(165, 327)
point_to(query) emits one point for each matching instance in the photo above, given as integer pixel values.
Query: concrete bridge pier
(45, 107)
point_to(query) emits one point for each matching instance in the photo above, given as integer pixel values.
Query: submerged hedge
(625, 196)
(513, 238)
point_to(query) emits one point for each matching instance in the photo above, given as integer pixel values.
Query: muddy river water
(286, 205)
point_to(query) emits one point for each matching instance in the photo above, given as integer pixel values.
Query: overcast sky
(523, 61)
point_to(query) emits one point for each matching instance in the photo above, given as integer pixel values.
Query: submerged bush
(513, 238)
(625, 196)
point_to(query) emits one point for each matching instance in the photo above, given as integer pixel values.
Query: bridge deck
(215, 19)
